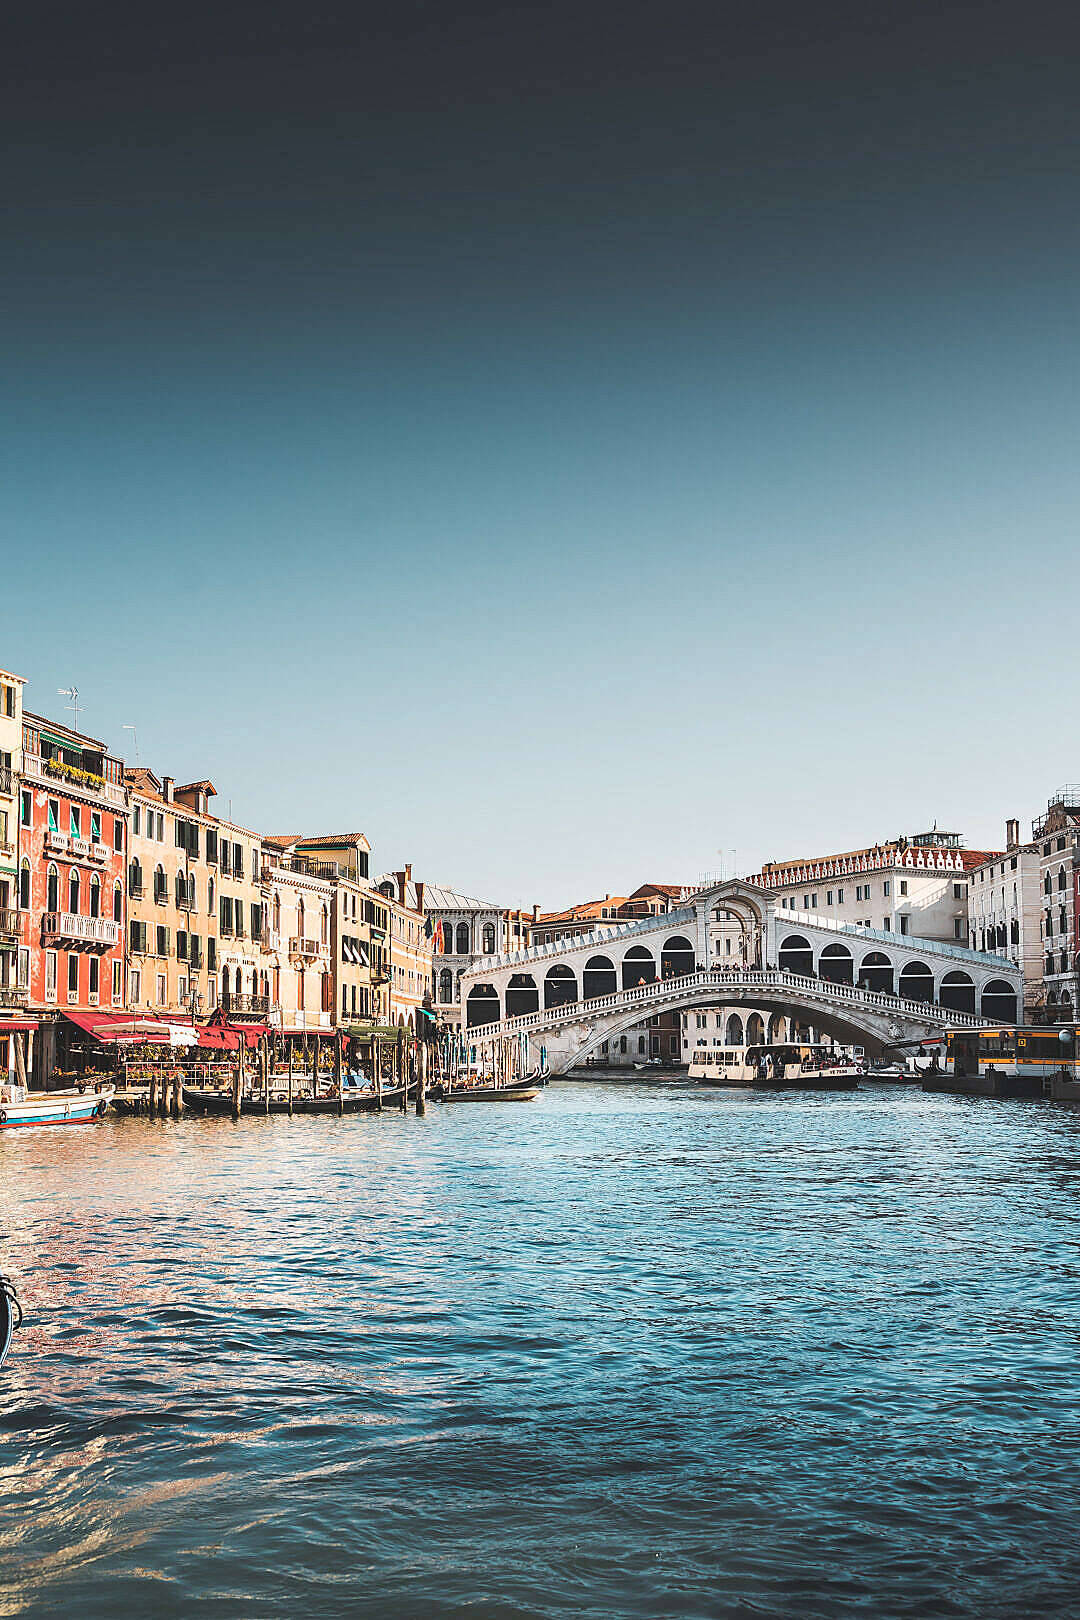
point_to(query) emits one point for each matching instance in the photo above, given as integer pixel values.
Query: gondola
(10, 1315)
(522, 1092)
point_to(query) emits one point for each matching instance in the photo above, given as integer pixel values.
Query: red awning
(215, 1039)
(20, 1025)
(116, 1027)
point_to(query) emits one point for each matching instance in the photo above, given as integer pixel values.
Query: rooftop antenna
(71, 692)
(135, 737)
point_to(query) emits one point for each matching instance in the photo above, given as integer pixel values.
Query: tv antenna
(135, 738)
(71, 692)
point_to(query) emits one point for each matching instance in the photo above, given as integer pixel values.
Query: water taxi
(805, 1068)
(20, 1106)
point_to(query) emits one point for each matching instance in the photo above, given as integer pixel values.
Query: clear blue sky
(563, 455)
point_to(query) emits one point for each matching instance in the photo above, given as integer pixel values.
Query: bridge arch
(755, 1030)
(733, 1034)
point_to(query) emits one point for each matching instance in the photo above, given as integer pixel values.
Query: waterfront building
(411, 954)
(327, 937)
(72, 855)
(14, 962)
(195, 912)
(916, 885)
(1005, 913)
(1057, 837)
(465, 931)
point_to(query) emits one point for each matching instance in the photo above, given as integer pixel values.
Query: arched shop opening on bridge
(482, 1006)
(876, 973)
(677, 957)
(522, 995)
(836, 965)
(599, 978)
(797, 955)
(560, 986)
(638, 967)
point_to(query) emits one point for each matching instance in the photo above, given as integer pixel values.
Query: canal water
(643, 1350)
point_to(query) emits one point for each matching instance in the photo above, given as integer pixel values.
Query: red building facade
(72, 863)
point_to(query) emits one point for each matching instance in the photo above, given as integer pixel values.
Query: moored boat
(518, 1093)
(10, 1315)
(20, 1106)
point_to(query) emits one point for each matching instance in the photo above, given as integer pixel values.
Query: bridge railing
(823, 990)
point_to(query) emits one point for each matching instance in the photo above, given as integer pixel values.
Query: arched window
(733, 1035)
(1048, 884)
(1061, 877)
(210, 895)
(277, 913)
(95, 895)
(325, 935)
(464, 942)
(489, 939)
(161, 885)
(300, 916)
(135, 878)
(52, 890)
(117, 902)
(73, 892)
(24, 885)
(755, 1030)
(239, 982)
(446, 987)
(482, 1006)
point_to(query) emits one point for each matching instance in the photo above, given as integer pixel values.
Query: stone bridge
(730, 945)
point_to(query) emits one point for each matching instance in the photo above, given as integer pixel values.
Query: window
(136, 819)
(95, 827)
(24, 885)
(95, 895)
(903, 885)
(162, 995)
(211, 955)
(828, 897)
(50, 975)
(887, 925)
(72, 976)
(904, 924)
(117, 833)
(95, 977)
(26, 804)
(162, 940)
(54, 815)
(238, 861)
(212, 845)
(73, 892)
(76, 821)
(806, 902)
(134, 981)
(839, 897)
(813, 902)
(9, 702)
(957, 928)
(257, 918)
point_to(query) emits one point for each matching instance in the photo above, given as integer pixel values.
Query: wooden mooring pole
(290, 1078)
(338, 1076)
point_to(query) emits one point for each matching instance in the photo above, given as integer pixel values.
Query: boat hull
(54, 1108)
(487, 1094)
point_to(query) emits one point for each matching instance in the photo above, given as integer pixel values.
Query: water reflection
(623, 1352)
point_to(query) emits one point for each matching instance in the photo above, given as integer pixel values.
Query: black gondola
(10, 1315)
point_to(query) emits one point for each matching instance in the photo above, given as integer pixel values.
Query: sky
(575, 445)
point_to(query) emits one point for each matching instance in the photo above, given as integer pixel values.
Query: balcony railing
(7, 779)
(135, 890)
(236, 1001)
(12, 996)
(99, 852)
(65, 925)
(9, 923)
(307, 948)
(56, 842)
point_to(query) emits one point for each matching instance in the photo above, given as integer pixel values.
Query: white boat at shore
(20, 1106)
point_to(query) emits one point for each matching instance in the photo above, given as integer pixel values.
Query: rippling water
(622, 1351)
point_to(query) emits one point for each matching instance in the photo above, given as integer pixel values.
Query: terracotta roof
(978, 857)
(319, 841)
(190, 787)
(673, 891)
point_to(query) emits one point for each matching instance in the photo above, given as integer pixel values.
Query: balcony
(236, 1002)
(12, 996)
(56, 842)
(186, 902)
(135, 891)
(99, 852)
(7, 780)
(49, 771)
(306, 948)
(9, 926)
(66, 928)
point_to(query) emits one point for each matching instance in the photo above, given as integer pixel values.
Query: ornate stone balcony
(64, 927)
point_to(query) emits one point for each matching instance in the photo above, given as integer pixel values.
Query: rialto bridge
(729, 946)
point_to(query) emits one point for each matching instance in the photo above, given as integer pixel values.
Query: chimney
(536, 912)
(1012, 833)
(400, 880)
(408, 871)
(420, 898)
(168, 783)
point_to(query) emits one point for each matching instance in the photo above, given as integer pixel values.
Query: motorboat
(78, 1105)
